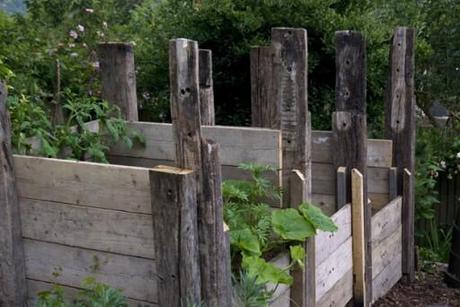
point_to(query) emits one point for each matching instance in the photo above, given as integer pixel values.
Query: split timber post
(200, 155)
(400, 128)
(118, 77)
(13, 288)
(350, 133)
(206, 88)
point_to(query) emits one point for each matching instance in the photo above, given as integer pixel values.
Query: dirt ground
(429, 289)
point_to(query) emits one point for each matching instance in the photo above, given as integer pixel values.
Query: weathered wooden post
(206, 88)
(201, 156)
(175, 232)
(400, 128)
(13, 288)
(350, 131)
(118, 77)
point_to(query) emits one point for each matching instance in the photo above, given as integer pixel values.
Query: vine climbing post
(350, 134)
(118, 77)
(400, 128)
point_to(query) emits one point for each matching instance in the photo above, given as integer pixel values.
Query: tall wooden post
(13, 288)
(175, 232)
(350, 129)
(400, 127)
(118, 77)
(289, 90)
(206, 88)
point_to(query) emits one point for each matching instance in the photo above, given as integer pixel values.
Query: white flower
(458, 155)
(95, 65)
(71, 45)
(443, 164)
(74, 54)
(88, 10)
(73, 34)
(104, 24)
(81, 28)
(100, 33)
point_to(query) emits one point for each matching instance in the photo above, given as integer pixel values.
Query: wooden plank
(99, 229)
(206, 88)
(118, 77)
(263, 107)
(386, 251)
(290, 93)
(330, 271)
(325, 202)
(68, 266)
(393, 183)
(12, 272)
(174, 200)
(70, 293)
(357, 213)
(400, 126)
(238, 144)
(378, 201)
(408, 226)
(386, 221)
(341, 186)
(383, 282)
(326, 242)
(340, 294)
(83, 183)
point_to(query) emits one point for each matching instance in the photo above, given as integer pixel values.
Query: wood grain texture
(393, 183)
(174, 199)
(359, 243)
(341, 186)
(386, 251)
(118, 77)
(206, 88)
(408, 226)
(12, 273)
(386, 221)
(384, 281)
(68, 266)
(340, 294)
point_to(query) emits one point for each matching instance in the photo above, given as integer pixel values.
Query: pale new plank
(100, 229)
(340, 294)
(84, 183)
(386, 221)
(135, 276)
(386, 251)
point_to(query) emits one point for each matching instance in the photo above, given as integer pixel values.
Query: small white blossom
(73, 34)
(449, 177)
(81, 28)
(71, 45)
(100, 33)
(458, 155)
(88, 10)
(104, 24)
(95, 65)
(443, 164)
(74, 54)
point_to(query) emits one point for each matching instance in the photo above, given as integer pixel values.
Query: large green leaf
(297, 254)
(245, 240)
(265, 272)
(290, 225)
(317, 218)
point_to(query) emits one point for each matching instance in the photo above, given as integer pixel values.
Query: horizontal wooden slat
(387, 278)
(237, 144)
(340, 294)
(69, 266)
(70, 293)
(84, 183)
(333, 268)
(325, 202)
(100, 229)
(378, 200)
(386, 251)
(327, 243)
(386, 221)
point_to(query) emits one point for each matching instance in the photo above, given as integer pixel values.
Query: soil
(428, 290)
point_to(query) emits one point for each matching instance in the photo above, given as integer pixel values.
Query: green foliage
(435, 245)
(256, 229)
(93, 294)
(248, 292)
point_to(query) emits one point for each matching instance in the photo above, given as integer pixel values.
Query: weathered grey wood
(263, 107)
(13, 289)
(135, 276)
(400, 125)
(118, 77)
(408, 226)
(303, 289)
(174, 200)
(206, 88)
(341, 195)
(214, 251)
(386, 221)
(357, 208)
(386, 251)
(393, 183)
(94, 228)
(387, 278)
(340, 294)
(290, 93)
(350, 126)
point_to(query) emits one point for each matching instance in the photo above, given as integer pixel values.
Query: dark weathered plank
(214, 251)
(206, 88)
(341, 194)
(408, 224)
(400, 123)
(290, 93)
(263, 108)
(393, 183)
(174, 200)
(13, 290)
(118, 77)
(350, 126)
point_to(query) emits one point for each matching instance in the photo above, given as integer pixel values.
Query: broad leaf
(317, 218)
(297, 254)
(290, 225)
(246, 241)
(265, 272)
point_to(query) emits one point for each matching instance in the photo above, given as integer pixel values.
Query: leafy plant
(435, 245)
(257, 230)
(248, 292)
(93, 294)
